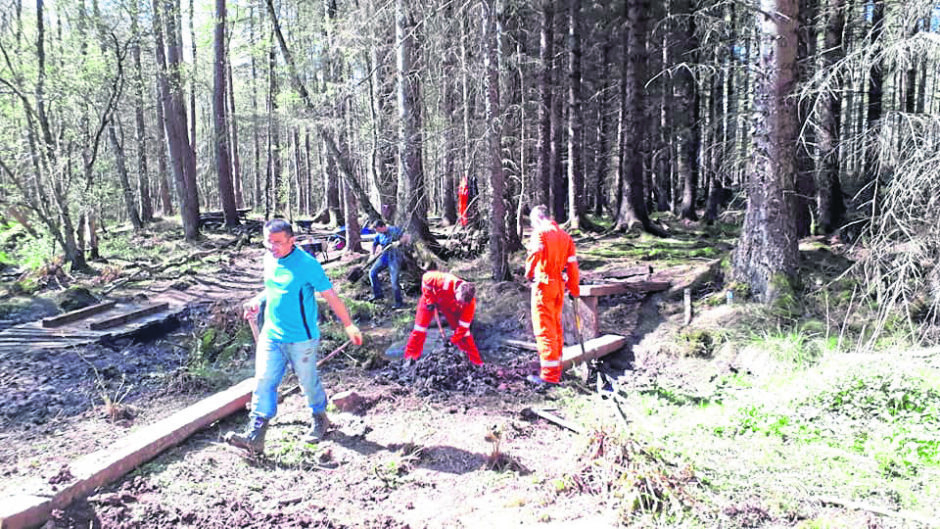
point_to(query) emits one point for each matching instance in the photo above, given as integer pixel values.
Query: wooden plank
(622, 287)
(100, 468)
(129, 316)
(75, 315)
(571, 354)
(619, 273)
(595, 348)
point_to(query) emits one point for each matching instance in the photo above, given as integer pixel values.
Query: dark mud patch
(442, 371)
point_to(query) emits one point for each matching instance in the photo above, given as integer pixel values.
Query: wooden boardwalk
(32, 336)
(153, 304)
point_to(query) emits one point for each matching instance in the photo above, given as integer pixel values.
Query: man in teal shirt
(290, 334)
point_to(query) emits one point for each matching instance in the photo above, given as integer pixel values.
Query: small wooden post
(687, 293)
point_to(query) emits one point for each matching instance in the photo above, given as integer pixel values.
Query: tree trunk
(182, 157)
(73, 253)
(273, 192)
(633, 212)
(353, 237)
(874, 109)
(829, 202)
(411, 184)
(192, 78)
(143, 179)
(448, 100)
(559, 184)
(256, 201)
(685, 104)
(545, 103)
(223, 159)
(166, 200)
(602, 160)
(469, 152)
(120, 163)
(236, 159)
(499, 262)
(766, 258)
(575, 118)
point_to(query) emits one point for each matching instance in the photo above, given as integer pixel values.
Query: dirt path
(406, 461)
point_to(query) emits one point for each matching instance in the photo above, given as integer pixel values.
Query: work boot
(318, 431)
(540, 382)
(252, 439)
(535, 379)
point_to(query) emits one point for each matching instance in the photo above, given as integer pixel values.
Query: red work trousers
(547, 300)
(420, 332)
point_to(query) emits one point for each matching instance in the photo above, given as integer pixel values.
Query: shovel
(586, 370)
(355, 273)
(440, 327)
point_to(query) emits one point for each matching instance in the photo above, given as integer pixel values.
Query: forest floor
(742, 418)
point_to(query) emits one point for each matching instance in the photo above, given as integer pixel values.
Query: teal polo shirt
(290, 287)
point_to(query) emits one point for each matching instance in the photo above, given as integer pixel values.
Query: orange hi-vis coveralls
(439, 289)
(551, 252)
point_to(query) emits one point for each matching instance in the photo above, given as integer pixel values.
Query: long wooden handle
(334, 353)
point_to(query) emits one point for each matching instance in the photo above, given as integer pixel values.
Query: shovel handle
(333, 353)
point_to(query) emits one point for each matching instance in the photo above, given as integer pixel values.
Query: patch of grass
(757, 419)
(887, 398)
(795, 346)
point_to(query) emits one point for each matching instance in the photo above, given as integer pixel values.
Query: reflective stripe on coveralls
(439, 289)
(551, 252)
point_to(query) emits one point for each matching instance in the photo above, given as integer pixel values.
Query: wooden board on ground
(100, 468)
(572, 354)
(32, 336)
(594, 348)
(120, 319)
(77, 314)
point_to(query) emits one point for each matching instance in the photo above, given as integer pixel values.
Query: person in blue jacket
(389, 257)
(290, 334)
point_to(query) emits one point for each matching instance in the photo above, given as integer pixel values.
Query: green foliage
(882, 397)
(34, 254)
(757, 419)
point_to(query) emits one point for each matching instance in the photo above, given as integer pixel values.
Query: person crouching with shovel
(447, 294)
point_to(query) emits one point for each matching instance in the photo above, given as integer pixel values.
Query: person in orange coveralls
(454, 299)
(463, 199)
(551, 254)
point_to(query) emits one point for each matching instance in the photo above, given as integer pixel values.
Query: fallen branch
(550, 417)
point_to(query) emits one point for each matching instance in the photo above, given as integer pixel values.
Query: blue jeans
(271, 362)
(391, 260)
